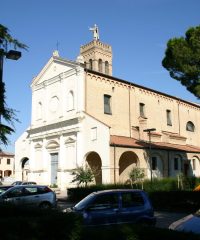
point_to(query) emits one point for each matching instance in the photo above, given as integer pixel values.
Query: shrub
(19, 224)
(136, 176)
(134, 232)
(83, 175)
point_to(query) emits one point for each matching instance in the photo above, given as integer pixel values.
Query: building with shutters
(6, 165)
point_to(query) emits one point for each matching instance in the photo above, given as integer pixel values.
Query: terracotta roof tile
(4, 154)
(131, 142)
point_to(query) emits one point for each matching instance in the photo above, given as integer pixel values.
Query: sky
(137, 30)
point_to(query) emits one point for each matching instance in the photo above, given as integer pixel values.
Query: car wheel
(45, 205)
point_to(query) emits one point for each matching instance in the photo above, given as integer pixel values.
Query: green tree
(6, 114)
(83, 175)
(136, 176)
(182, 60)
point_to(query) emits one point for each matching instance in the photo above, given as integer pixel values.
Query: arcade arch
(127, 161)
(94, 162)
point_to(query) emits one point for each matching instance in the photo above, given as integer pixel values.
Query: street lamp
(149, 130)
(13, 55)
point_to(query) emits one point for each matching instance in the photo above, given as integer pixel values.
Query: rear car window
(30, 190)
(132, 199)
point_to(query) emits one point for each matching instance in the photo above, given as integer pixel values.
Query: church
(84, 116)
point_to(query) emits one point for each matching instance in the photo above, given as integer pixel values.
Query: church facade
(82, 115)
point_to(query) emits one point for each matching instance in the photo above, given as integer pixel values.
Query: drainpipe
(129, 104)
(114, 163)
(179, 118)
(168, 163)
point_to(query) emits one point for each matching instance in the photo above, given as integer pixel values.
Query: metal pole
(150, 160)
(1, 79)
(149, 130)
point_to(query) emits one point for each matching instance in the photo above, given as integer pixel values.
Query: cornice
(161, 94)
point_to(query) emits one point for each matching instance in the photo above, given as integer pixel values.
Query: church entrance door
(54, 168)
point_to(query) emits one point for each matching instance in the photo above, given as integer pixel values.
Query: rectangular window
(154, 163)
(175, 163)
(107, 104)
(169, 120)
(94, 133)
(142, 110)
(8, 161)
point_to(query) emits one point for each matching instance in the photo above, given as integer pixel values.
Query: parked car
(115, 207)
(3, 188)
(29, 183)
(23, 183)
(7, 180)
(29, 196)
(190, 223)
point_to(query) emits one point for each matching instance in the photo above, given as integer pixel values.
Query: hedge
(164, 194)
(21, 224)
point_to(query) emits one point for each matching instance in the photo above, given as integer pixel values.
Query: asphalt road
(164, 219)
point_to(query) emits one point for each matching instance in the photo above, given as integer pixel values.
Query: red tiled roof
(131, 142)
(4, 154)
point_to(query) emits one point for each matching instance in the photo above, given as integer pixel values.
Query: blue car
(115, 207)
(190, 223)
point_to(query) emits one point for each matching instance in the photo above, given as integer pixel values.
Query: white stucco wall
(99, 144)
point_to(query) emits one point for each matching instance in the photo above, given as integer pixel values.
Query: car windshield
(84, 202)
(2, 191)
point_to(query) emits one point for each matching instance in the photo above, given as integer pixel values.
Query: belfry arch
(127, 161)
(94, 162)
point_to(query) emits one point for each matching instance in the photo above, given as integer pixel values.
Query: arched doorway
(7, 173)
(127, 161)
(94, 162)
(25, 168)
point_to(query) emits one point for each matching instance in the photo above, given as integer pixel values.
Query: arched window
(39, 111)
(190, 126)
(106, 67)
(169, 117)
(100, 65)
(107, 104)
(90, 64)
(70, 101)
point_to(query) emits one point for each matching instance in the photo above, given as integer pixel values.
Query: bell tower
(97, 55)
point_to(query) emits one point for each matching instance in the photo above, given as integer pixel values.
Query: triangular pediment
(53, 68)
